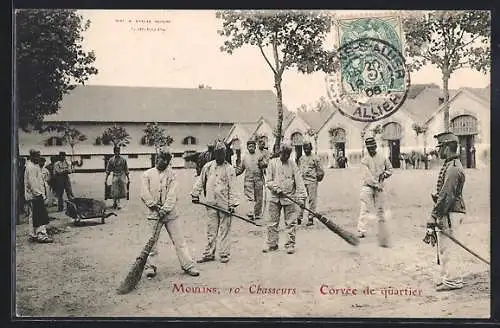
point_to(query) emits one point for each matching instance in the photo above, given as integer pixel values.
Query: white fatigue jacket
(287, 178)
(218, 182)
(159, 188)
(34, 184)
(373, 167)
(250, 165)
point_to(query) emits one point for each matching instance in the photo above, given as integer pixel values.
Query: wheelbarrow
(86, 208)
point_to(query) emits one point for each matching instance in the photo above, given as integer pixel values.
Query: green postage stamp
(373, 80)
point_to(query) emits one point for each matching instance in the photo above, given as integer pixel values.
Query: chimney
(440, 101)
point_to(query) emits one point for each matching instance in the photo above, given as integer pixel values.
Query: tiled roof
(316, 119)
(97, 103)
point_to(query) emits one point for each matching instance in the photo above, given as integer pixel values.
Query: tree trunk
(316, 144)
(425, 151)
(446, 111)
(279, 123)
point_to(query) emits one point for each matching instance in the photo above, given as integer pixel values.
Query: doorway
(394, 153)
(339, 149)
(467, 151)
(466, 127)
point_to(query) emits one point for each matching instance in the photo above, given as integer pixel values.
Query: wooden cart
(85, 209)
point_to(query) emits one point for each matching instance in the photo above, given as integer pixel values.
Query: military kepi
(370, 142)
(445, 137)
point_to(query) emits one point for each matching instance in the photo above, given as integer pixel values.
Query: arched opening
(264, 140)
(338, 138)
(465, 127)
(392, 134)
(54, 141)
(297, 139)
(189, 141)
(297, 142)
(236, 146)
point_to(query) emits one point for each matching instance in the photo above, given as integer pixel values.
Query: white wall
(353, 136)
(465, 104)
(409, 140)
(297, 125)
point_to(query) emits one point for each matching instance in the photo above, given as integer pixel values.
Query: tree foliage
(156, 136)
(449, 40)
(286, 39)
(419, 128)
(49, 59)
(70, 135)
(117, 135)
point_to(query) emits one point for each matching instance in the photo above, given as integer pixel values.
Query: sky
(182, 49)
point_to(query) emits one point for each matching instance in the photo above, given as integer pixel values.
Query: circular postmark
(372, 82)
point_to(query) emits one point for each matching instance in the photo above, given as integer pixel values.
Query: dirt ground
(79, 273)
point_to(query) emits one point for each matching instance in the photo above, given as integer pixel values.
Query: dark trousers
(63, 184)
(40, 215)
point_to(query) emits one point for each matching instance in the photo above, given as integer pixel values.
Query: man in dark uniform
(448, 212)
(205, 157)
(341, 160)
(119, 167)
(62, 170)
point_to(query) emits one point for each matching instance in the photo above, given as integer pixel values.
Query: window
(337, 135)
(464, 125)
(392, 131)
(297, 139)
(189, 141)
(54, 141)
(85, 157)
(133, 156)
(178, 154)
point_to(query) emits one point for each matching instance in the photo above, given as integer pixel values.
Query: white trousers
(450, 254)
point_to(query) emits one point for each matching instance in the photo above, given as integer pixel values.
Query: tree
(156, 136)
(117, 135)
(50, 61)
(293, 37)
(450, 40)
(70, 135)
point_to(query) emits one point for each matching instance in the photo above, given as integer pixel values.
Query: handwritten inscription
(144, 25)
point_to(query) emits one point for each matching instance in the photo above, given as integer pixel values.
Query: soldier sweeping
(158, 192)
(375, 169)
(448, 212)
(254, 180)
(312, 173)
(218, 183)
(283, 177)
(118, 166)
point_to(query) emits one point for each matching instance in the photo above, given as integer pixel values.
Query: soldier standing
(283, 177)
(254, 180)
(62, 170)
(376, 168)
(312, 173)
(448, 212)
(218, 183)
(35, 194)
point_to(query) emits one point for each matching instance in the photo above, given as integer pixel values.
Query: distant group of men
(44, 185)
